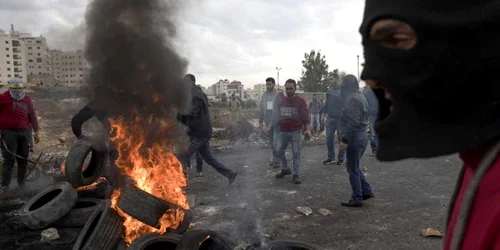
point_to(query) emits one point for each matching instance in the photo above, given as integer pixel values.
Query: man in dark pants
(353, 124)
(200, 132)
(16, 116)
(332, 110)
(266, 111)
(314, 109)
(199, 159)
(372, 116)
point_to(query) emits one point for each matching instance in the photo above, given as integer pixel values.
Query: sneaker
(367, 197)
(329, 162)
(351, 203)
(340, 162)
(232, 177)
(281, 174)
(296, 179)
(199, 174)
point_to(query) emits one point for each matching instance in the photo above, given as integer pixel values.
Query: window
(37, 47)
(6, 48)
(6, 42)
(38, 41)
(39, 67)
(38, 54)
(8, 69)
(39, 60)
(8, 55)
(30, 60)
(30, 47)
(16, 75)
(39, 73)
(8, 62)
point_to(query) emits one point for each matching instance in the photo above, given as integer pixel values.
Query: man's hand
(37, 137)
(343, 146)
(309, 133)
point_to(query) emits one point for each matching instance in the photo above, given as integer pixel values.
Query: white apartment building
(12, 57)
(218, 88)
(69, 68)
(37, 56)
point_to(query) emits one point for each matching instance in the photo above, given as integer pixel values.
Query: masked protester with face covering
(353, 125)
(433, 62)
(16, 116)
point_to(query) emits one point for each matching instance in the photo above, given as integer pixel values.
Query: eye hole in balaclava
(393, 34)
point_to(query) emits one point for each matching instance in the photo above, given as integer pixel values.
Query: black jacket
(88, 112)
(334, 103)
(198, 119)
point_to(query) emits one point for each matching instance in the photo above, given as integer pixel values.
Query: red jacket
(483, 225)
(292, 113)
(17, 114)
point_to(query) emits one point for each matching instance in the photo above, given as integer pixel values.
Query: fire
(101, 179)
(63, 168)
(153, 168)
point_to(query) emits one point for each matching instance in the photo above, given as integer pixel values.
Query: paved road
(410, 195)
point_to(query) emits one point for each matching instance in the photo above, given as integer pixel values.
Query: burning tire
(142, 206)
(80, 213)
(291, 245)
(184, 226)
(74, 170)
(102, 231)
(203, 239)
(49, 205)
(155, 241)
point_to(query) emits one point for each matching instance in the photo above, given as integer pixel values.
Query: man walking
(265, 115)
(437, 97)
(291, 115)
(332, 110)
(16, 116)
(353, 125)
(199, 128)
(314, 109)
(372, 116)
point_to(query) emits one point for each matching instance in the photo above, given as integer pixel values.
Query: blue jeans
(202, 145)
(355, 149)
(295, 138)
(331, 127)
(373, 135)
(273, 142)
(315, 120)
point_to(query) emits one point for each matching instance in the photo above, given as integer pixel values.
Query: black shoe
(340, 162)
(328, 162)
(232, 177)
(296, 179)
(367, 197)
(351, 203)
(281, 174)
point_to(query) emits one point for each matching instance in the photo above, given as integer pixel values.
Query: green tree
(314, 72)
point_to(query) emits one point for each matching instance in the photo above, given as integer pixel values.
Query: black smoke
(134, 66)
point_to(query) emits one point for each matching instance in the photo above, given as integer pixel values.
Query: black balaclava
(350, 85)
(444, 90)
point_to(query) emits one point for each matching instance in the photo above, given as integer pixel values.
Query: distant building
(37, 56)
(257, 91)
(218, 88)
(12, 57)
(236, 88)
(69, 68)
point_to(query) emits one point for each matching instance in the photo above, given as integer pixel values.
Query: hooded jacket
(354, 117)
(198, 118)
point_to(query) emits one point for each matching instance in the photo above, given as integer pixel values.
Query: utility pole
(278, 70)
(358, 69)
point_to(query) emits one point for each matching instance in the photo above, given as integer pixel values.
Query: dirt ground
(410, 195)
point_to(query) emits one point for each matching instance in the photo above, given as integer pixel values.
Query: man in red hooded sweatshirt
(16, 116)
(431, 65)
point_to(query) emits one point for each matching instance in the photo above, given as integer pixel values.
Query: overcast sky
(224, 39)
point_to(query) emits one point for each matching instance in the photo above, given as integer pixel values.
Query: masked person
(437, 96)
(332, 110)
(17, 114)
(353, 125)
(265, 115)
(291, 115)
(199, 128)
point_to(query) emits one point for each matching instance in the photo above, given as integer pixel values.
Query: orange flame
(101, 179)
(63, 168)
(153, 168)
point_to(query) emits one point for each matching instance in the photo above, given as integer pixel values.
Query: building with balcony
(12, 57)
(69, 68)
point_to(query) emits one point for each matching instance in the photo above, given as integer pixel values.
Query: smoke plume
(133, 63)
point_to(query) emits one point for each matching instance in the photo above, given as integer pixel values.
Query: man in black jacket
(332, 110)
(200, 132)
(353, 125)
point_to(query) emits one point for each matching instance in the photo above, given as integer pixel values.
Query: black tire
(155, 241)
(102, 231)
(203, 239)
(292, 245)
(76, 158)
(80, 213)
(49, 205)
(184, 226)
(142, 206)
(122, 245)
